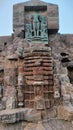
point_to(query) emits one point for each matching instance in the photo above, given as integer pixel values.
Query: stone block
(10, 103)
(20, 80)
(32, 115)
(66, 99)
(53, 23)
(52, 10)
(20, 114)
(65, 112)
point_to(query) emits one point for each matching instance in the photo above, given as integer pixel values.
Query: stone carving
(37, 29)
(28, 32)
(35, 25)
(40, 103)
(32, 73)
(44, 28)
(38, 74)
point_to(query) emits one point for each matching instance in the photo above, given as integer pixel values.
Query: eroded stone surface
(65, 112)
(22, 114)
(36, 70)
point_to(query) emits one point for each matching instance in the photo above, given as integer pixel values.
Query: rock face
(36, 70)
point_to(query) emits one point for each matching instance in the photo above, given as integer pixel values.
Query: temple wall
(36, 70)
(49, 10)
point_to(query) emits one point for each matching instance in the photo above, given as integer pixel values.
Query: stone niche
(37, 28)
